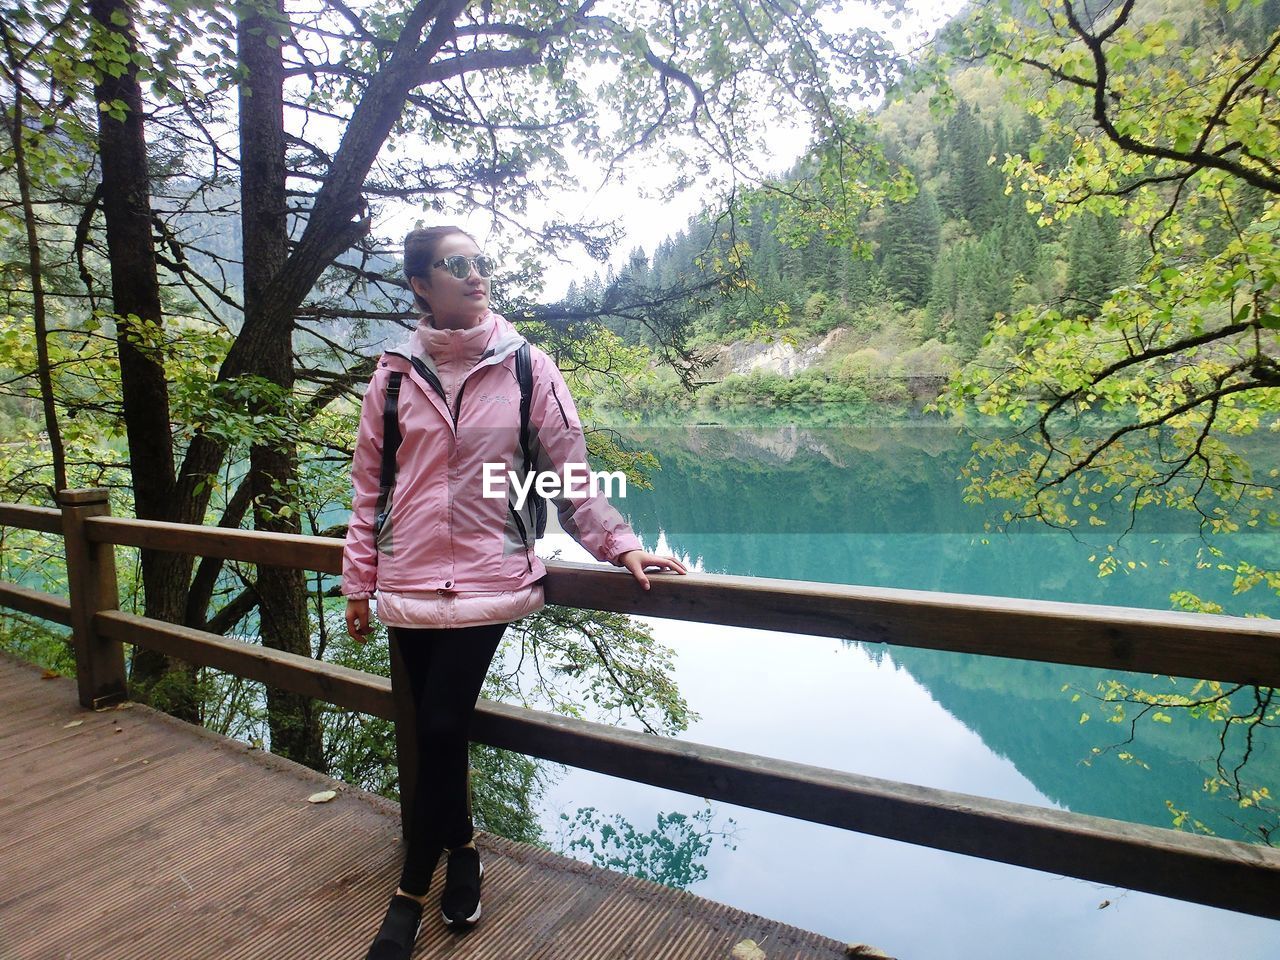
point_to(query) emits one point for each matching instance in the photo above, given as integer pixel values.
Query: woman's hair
(420, 250)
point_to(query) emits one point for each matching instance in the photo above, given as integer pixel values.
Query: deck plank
(133, 835)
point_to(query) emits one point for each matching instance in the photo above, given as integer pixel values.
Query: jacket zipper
(425, 373)
(431, 378)
(524, 538)
(457, 406)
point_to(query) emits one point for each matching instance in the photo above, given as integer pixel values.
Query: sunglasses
(460, 266)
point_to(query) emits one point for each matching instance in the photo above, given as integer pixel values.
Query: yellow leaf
(748, 950)
(73, 723)
(324, 796)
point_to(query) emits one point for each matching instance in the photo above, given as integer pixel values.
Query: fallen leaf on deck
(748, 950)
(324, 796)
(73, 723)
(50, 675)
(866, 950)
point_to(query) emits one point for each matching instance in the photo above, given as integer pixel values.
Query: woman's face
(455, 304)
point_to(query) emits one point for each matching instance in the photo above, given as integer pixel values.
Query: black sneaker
(399, 930)
(460, 902)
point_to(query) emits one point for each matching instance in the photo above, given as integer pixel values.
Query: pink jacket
(441, 534)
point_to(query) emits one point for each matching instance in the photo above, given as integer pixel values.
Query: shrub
(859, 367)
(930, 359)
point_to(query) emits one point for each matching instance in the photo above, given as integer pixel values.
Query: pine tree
(909, 243)
(973, 186)
(1096, 262)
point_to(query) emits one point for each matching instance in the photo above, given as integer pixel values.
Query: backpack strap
(390, 445)
(524, 374)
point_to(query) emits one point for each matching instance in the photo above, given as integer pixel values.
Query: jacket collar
(506, 340)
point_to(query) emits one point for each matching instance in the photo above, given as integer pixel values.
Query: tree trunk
(273, 465)
(38, 313)
(135, 291)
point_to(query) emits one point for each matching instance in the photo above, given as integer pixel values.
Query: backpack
(391, 442)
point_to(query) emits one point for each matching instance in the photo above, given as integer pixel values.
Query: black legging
(446, 669)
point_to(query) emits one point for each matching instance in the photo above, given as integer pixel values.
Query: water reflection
(672, 854)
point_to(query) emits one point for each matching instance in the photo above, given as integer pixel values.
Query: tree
(972, 185)
(909, 246)
(1095, 262)
(1191, 344)
(139, 319)
(342, 112)
(1142, 396)
(281, 593)
(16, 64)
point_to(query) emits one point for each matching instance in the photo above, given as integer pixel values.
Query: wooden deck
(125, 833)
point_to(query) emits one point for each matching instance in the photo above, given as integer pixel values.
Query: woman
(451, 566)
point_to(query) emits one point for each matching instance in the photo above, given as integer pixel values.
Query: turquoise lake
(881, 504)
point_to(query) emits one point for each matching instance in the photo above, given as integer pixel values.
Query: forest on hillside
(916, 285)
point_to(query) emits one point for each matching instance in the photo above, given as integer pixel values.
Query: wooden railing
(1222, 873)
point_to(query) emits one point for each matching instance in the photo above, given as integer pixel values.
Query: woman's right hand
(358, 625)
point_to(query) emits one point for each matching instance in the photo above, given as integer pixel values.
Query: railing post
(406, 732)
(91, 580)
